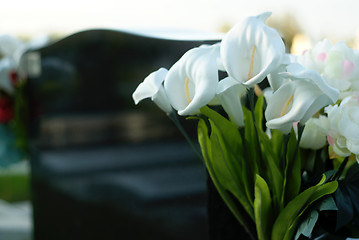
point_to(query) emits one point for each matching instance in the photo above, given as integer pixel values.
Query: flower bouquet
(14, 170)
(278, 133)
(12, 128)
(13, 110)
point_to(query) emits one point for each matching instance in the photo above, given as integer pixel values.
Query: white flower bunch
(300, 86)
(253, 153)
(248, 53)
(343, 127)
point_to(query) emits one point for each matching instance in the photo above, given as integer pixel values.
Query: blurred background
(74, 189)
(302, 22)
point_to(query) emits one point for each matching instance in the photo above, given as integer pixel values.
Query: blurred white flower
(6, 66)
(338, 65)
(315, 133)
(343, 134)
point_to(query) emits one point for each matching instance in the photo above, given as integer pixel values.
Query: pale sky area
(318, 18)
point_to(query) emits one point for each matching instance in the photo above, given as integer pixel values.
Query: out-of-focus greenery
(14, 182)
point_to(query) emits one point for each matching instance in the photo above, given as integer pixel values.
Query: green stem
(250, 96)
(300, 133)
(286, 138)
(340, 170)
(249, 170)
(173, 117)
(231, 204)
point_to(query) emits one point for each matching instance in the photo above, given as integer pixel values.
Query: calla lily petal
(251, 50)
(191, 82)
(152, 88)
(288, 105)
(298, 71)
(276, 79)
(229, 93)
(298, 100)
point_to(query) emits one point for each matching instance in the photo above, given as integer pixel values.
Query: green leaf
(306, 227)
(203, 139)
(292, 176)
(286, 222)
(234, 144)
(345, 207)
(308, 223)
(277, 143)
(267, 162)
(275, 181)
(227, 169)
(328, 204)
(347, 197)
(323, 190)
(263, 209)
(272, 174)
(227, 128)
(258, 112)
(207, 154)
(288, 215)
(251, 143)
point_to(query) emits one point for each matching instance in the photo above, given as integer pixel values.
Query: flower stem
(249, 169)
(174, 118)
(250, 97)
(340, 170)
(286, 138)
(300, 133)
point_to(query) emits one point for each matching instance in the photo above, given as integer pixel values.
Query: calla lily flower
(297, 71)
(275, 78)
(152, 87)
(298, 99)
(191, 82)
(229, 93)
(251, 50)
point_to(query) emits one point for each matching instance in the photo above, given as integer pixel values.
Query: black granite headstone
(103, 168)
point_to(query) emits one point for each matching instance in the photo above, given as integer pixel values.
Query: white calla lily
(275, 79)
(298, 71)
(191, 82)
(251, 50)
(152, 87)
(298, 99)
(229, 93)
